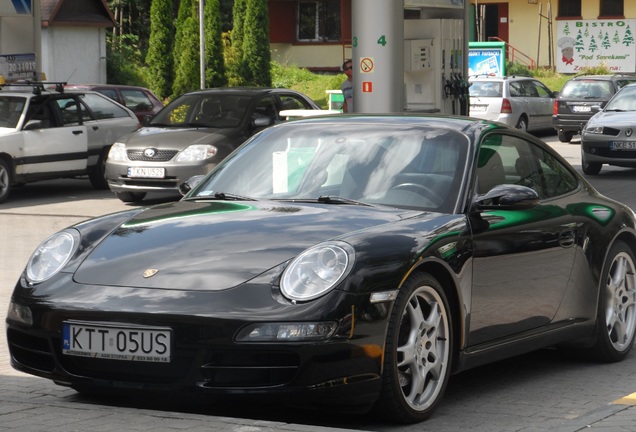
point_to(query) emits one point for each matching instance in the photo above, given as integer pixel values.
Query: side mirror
(146, 119)
(507, 197)
(262, 122)
(34, 124)
(190, 184)
(595, 108)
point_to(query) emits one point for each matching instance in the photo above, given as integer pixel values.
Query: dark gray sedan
(191, 135)
(608, 138)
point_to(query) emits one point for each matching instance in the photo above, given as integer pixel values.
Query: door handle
(77, 132)
(95, 128)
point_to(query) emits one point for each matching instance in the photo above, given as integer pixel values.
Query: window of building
(319, 21)
(612, 8)
(570, 8)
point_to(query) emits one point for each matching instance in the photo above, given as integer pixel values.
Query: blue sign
(486, 60)
(16, 7)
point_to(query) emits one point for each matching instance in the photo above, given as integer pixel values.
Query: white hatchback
(47, 134)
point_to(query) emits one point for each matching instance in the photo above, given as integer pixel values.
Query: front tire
(590, 168)
(131, 197)
(5, 180)
(418, 352)
(616, 318)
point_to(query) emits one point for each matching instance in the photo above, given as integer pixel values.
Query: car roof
(500, 78)
(602, 77)
(242, 90)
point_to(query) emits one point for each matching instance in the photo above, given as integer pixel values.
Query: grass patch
(302, 80)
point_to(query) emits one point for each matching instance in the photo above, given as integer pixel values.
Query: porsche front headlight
(317, 270)
(52, 255)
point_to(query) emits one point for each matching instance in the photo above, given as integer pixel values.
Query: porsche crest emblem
(150, 272)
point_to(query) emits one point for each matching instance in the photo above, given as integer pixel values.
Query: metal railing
(514, 55)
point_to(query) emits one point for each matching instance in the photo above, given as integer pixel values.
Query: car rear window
(485, 89)
(587, 89)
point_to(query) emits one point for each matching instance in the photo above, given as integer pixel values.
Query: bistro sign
(592, 43)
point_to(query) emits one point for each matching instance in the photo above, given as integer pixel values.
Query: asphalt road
(541, 391)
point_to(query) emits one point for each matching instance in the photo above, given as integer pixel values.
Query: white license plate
(148, 344)
(581, 108)
(146, 172)
(623, 145)
(478, 108)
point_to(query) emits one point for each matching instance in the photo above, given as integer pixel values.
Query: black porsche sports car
(338, 260)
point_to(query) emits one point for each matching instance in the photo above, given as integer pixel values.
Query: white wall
(74, 54)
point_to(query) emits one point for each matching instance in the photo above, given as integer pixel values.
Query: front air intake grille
(159, 155)
(31, 351)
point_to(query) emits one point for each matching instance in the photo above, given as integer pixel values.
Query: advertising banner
(16, 67)
(486, 58)
(15, 7)
(592, 43)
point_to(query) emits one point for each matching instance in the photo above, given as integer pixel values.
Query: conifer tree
(186, 10)
(235, 66)
(187, 76)
(256, 54)
(214, 62)
(159, 59)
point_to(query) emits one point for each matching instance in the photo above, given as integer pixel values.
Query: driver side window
(506, 159)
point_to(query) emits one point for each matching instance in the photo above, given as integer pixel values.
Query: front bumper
(205, 356)
(116, 174)
(597, 148)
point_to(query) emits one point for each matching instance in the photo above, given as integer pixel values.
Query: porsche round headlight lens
(52, 255)
(316, 271)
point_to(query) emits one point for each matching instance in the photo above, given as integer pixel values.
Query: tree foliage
(187, 76)
(256, 54)
(214, 61)
(159, 57)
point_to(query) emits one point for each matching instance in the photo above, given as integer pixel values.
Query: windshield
(624, 100)
(485, 89)
(399, 166)
(11, 108)
(214, 110)
(587, 89)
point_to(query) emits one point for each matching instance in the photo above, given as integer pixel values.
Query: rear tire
(522, 123)
(616, 317)
(418, 353)
(96, 176)
(565, 136)
(131, 197)
(5, 180)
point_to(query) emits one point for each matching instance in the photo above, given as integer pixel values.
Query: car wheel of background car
(96, 176)
(522, 123)
(565, 136)
(590, 168)
(419, 345)
(616, 319)
(131, 197)
(5, 180)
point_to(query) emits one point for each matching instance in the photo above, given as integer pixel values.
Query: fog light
(20, 314)
(286, 332)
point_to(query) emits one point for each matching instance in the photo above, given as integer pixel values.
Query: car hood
(173, 138)
(216, 245)
(614, 119)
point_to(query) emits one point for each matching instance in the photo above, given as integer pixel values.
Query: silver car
(609, 136)
(191, 135)
(50, 134)
(521, 102)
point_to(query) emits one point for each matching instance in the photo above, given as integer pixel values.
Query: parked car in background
(609, 137)
(573, 107)
(353, 261)
(47, 134)
(521, 102)
(140, 100)
(191, 135)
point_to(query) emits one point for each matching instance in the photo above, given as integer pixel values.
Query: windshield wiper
(335, 199)
(223, 196)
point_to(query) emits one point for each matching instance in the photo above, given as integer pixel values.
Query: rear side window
(136, 100)
(103, 108)
(485, 89)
